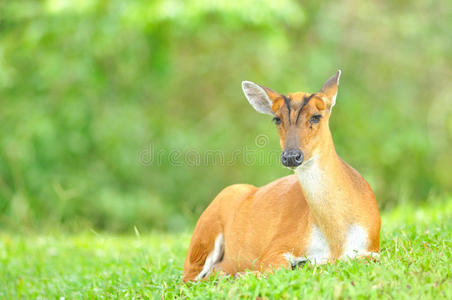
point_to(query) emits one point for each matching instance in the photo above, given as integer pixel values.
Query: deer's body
(324, 212)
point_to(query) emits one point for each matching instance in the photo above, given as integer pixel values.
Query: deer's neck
(324, 184)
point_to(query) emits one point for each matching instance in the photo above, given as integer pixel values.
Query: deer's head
(301, 118)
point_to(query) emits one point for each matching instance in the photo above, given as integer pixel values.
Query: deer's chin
(306, 163)
(293, 168)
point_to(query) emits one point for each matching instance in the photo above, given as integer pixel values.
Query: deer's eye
(277, 120)
(315, 119)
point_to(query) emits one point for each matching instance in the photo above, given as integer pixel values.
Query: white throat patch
(312, 179)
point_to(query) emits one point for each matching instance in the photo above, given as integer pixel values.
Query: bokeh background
(122, 115)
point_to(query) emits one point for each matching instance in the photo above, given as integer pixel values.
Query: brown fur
(259, 225)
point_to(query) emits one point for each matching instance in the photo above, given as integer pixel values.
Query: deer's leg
(206, 247)
(273, 260)
(206, 250)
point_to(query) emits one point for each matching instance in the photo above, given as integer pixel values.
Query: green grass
(416, 263)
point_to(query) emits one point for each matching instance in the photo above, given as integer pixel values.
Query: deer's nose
(292, 158)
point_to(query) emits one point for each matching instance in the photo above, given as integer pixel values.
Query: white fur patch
(312, 179)
(318, 251)
(257, 97)
(290, 258)
(213, 258)
(356, 243)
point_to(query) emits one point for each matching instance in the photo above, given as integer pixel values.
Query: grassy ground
(416, 263)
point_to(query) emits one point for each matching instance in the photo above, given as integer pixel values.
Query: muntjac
(324, 212)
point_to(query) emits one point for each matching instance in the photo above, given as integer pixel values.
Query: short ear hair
(330, 87)
(261, 98)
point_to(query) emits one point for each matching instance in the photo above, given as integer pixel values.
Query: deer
(324, 212)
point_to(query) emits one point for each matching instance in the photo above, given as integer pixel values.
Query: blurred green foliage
(108, 107)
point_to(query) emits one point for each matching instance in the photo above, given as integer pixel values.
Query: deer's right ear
(261, 98)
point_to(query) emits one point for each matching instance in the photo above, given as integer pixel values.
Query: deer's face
(301, 118)
(302, 121)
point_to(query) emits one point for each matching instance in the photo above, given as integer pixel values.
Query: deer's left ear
(329, 89)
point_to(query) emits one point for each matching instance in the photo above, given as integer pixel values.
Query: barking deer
(325, 211)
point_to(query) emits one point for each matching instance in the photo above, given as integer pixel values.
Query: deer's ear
(329, 89)
(261, 98)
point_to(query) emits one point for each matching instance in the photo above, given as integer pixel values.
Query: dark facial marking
(287, 101)
(305, 101)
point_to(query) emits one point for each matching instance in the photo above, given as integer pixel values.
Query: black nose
(292, 158)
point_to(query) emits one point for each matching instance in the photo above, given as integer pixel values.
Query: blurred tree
(116, 114)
